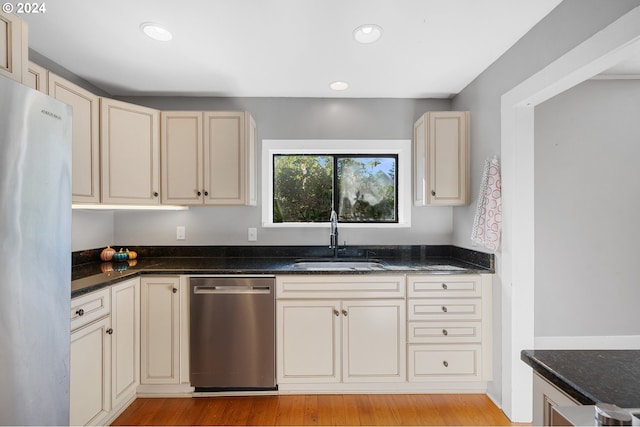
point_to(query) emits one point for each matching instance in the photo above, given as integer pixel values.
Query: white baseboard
(621, 342)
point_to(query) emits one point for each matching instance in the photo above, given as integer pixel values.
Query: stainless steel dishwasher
(232, 342)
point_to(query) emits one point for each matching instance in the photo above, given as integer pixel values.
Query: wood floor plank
(317, 410)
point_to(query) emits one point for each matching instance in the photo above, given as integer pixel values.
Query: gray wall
(282, 118)
(569, 24)
(587, 196)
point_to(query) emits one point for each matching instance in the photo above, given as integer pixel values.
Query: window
(303, 181)
(361, 188)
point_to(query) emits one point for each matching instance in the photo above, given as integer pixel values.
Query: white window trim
(400, 147)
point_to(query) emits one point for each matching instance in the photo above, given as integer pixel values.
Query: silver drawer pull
(446, 364)
(444, 309)
(445, 332)
(80, 312)
(444, 286)
(336, 312)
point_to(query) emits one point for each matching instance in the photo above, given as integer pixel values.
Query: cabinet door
(441, 158)
(37, 78)
(90, 373)
(545, 397)
(308, 341)
(125, 341)
(160, 330)
(182, 157)
(373, 341)
(13, 47)
(85, 142)
(129, 153)
(448, 153)
(225, 162)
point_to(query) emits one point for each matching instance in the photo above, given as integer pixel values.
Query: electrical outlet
(181, 232)
(252, 234)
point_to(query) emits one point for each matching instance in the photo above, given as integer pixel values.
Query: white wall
(587, 192)
(571, 23)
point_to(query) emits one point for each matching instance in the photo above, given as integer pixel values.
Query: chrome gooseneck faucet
(333, 236)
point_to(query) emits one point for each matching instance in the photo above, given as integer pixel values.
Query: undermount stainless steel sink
(339, 264)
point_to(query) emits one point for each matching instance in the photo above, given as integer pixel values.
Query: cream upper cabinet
(208, 158)
(129, 153)
(229, 158)
(85, 137)
(182, 149)
(14, 49)
(441, 158)
(37, 78)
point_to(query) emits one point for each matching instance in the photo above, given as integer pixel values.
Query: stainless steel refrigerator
(35, 256)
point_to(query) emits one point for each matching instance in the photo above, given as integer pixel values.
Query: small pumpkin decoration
(132, 254)
(132, 262)
(107, 253)
(120, 256)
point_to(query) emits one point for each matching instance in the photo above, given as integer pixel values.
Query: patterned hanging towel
(488, 219)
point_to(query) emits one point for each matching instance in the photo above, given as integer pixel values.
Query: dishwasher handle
(222, 289)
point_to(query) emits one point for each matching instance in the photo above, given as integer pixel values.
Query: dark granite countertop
(591, 376)
(89, 275)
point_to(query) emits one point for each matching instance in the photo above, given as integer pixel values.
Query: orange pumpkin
(107, 253)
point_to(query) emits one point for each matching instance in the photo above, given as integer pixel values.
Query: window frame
(399, 147)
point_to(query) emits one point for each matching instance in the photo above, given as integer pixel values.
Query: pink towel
(488, 219)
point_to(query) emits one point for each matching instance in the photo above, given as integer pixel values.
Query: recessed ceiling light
(339, 85)
(368, 33)
(156, 31)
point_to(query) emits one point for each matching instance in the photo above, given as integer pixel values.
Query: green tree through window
(361, 188)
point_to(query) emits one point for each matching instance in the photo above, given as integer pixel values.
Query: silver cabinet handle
(433, 192)
(444, 286)
(444, 309)
(174, 290)
(336, 312)
(445, 363)
(445, 332)
(344, 312)
(109, 331)
(80, 312)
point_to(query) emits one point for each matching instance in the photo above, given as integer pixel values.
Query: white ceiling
(282, 48)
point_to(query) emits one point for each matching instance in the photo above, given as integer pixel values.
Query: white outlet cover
(181, 233)
(252, 234)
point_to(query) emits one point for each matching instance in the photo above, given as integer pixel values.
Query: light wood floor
(324, 410)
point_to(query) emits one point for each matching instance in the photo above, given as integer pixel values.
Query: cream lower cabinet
(449, 338)
(13, 47)
(441, 158)
(129, 153)
(104, 365)
(90, 373)
(164, 331)
(208, 158)
(356, 338)
(125, 342)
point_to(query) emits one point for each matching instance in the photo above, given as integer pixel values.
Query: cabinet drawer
(87, 308)
(444, 363)
(445, 332)
(334, 286)
(445, 309)
(462, 286)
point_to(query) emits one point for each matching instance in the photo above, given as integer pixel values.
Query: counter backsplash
(395, 252)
